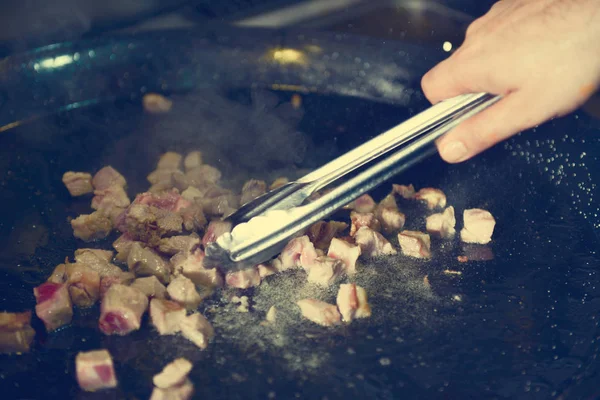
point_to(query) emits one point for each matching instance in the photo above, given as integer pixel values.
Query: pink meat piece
(478, 226)
(325, 271)
(173, 374)
(150, 286)
(359, 220)
(54, 306)
(346, 252)
(192, 160)
(122, 278)
(83, 283)
(169, 200)
(113, 197)
(107, 177)
(166, 316)
(252, 189)
(78, 183)
(185, 391)
(391, 219)
(215, 229)
(16, 333)
(244, 278)
(434, 198)
(321, 233)
(363, 204)
(90, 227)
(405, 191)
(319, 312)
(197, 330)
(442, 224)
(373, 244)
(415, 244)
(299, 252)
(191, 265)
(95, 370)
(352, 302)
(183, 291)
(121, 310)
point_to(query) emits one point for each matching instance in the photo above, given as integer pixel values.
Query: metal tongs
(382, 157)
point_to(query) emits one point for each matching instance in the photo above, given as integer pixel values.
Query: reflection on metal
(53, 62)
(291, 88)
(288, 56)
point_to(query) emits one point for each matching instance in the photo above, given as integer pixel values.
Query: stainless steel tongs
(259, 233)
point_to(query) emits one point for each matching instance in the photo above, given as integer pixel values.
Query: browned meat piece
(170, 200)
(150, 286)
(156, 104)
(352, 302)
(59, 275)
(434, 198)
(174, 374)
(183, 291)
(83, 283)
(373, 244)
(252, 189)
(54, 306)
(169, 160)
(193, 194)
(478, 226)
(122, 278)
(192, 160)
(166, 316)
(404, 191)
(193, 217)
(110, 199)
(191, 265)
(319, 312)
(107, 177)
(177, 244)
(78, 183)
(474, 252)
(243, 279)
(299, 252)
(16, 333)
(197, 329)
(363, 204)
(162, 178)
(391, 219)
(185, 391)
(122, 245)
(179, 180)
(95, 370)
(415, 244)
(325, 271)
(97, 260)
(91, 227)
(149, 224)
(346, 252)
(358, 220)
(215, 229)
(121, 310)
(279, 182)
(388, 201)
(321, 233)
(442, 224)
(203, 175)
(218, 201)
(146, 262)
(265, 270)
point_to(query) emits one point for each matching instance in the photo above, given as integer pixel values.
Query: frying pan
(523, 325)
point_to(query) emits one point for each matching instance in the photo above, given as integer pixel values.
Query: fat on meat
(16, 333)
(372, 243)
(146, 262)
(173, 374)
(192, 160)
(183, 291)
(358, 220)
(478, 226)
(404, 191)
(166, 316)
(346, 252)
(54, 305)
(325, 271)
(83, 283)
(363, 204)
(352, 302)
(321, 233)
(107, 177)
(434, 198)
(95, 370)
(191, 265)
(78, 183)
(244, 278)
(299, 252)
(214, 230)
(197, 329)
(122, 278)
(185, 391)
(319, 312)
(121, 310)
(91, 227)
(252, 189)
(442, 224)
(150, 286)
(415, 244)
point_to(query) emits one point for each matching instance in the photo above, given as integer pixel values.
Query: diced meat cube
(243, 279)
(185, 391)
(59, 275)
(391, 219)
(107, 177)
(191, 265)
(192, 194)
(404, 191)
(299, 252)
(177, 244)
(215, 229)
(359, 220)
(183, 291)
(203, 175)
(16, 333)
(193, 217)
(122, 245)
(54, 306)
(252, 189)
(388, 201)
(373, 244)
(197, 329)
(218, 201)
(478, 226)
(319, 312)
(363, 204)
(265, 270)
(173, 374)
(321, 233)
(78, 183)
(95, 370)
(150, 286)
(415, 244)
(474, 252)
(155, 103)
(161, 179)
(169, 160)
(352, 302)
(192, 160)
(166, 316)
(434, 198)
(121, 310)
(279, 182)
(97, 260)
(149, 223)
(91, 227)
(83, 283)
(442, 224)
(122, 278)
(325, 270)
(113, 197)
(169, 200)
(271, 314)
(179, 180)
(346, 252)
(146, 262)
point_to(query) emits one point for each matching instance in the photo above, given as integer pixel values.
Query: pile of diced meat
(157, 262)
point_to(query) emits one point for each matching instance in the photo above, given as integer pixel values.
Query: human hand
(543, 56)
